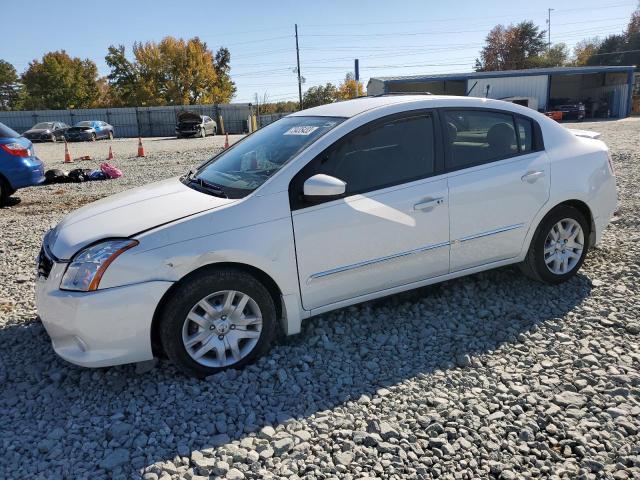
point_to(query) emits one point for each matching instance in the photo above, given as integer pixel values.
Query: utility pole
(299, 76)
(549, 10)
(356, 69)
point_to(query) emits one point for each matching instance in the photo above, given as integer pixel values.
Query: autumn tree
(350, 88)
(171, 72)
(512, 48)
(59, 81)
(9, 86)
(320, 95)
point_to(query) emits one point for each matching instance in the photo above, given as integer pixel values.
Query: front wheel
(54, 139)
(217, 319)
(559, 246)
(93, 137)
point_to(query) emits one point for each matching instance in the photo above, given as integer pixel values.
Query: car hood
(129, 213)
(186, 116)
(37, 130)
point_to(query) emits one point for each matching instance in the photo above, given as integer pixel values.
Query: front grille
(45, 264)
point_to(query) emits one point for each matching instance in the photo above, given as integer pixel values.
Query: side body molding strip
(367, 263)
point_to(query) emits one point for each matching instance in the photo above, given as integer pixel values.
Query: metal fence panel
(135, 121)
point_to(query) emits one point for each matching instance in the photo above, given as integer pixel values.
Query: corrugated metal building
(539, 88)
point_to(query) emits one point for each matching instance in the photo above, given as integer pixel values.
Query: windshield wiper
(205, 186)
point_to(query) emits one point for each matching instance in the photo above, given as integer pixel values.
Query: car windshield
(43, 125)
(84, 124)
(6, 132)
(243, 168)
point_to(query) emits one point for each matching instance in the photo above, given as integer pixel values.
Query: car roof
(351, 108)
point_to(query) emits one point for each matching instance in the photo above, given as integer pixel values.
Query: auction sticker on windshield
(302, 130)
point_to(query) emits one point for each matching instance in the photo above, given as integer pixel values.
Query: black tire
(54, 139)
(93, 137)
(534, 265)
(110, 135)
(5, 191)
(192, 291)
(215, 131)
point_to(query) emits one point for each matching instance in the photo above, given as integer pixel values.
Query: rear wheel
(217, 319)
(559, 246)
(110, 135)
(5, 191)
(93, 137)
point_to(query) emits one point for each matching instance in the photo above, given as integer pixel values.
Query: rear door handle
(531, 177)
(428, 204)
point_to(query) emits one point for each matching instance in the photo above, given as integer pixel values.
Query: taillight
(16, 149)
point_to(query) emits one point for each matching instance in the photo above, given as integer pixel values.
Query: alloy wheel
(563, 246)
(222, 328)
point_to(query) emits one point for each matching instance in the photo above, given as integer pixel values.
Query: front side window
(387, 153)
(477, 137)
(248, 164)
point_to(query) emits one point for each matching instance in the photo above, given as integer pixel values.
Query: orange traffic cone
(110, 156)
(67, 155)
(226, 140)
(140, 147)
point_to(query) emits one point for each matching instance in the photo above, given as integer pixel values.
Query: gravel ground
(491, 376)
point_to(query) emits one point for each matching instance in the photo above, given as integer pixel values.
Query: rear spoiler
(584, 133)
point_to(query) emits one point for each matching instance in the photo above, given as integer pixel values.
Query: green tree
(123, 79)
(59, 81)
(512, 48)
(584, 49)
(9, 86)
(556, 56)
(319, 95)
(621, 49)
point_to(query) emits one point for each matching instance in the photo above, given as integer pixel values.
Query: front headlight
(88, 266)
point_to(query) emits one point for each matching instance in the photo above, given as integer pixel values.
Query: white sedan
(324, 208)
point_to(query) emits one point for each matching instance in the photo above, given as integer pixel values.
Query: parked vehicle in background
(191, 124)
(89, 130)
(322, 209)
(19, 166)
(571, 111)
(46, 132)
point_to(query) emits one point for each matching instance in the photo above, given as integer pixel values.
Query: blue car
(19, 167)
(89, 130)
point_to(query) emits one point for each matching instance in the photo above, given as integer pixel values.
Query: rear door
(498, 181)
(391, 228)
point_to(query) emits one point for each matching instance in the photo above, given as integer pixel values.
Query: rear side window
(6, 132)
(389, 153)
(476, 137)
(525, 134)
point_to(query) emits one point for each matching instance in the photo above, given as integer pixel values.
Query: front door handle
(428, 204)
(531, 177)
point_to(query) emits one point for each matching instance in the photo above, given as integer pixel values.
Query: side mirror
(323, 187)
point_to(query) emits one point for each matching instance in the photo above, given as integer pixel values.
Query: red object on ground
(110, 156)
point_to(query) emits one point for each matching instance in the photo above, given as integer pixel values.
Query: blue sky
(399, 37)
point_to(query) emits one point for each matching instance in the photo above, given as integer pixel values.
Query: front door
(392, 226)
(499, 181)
